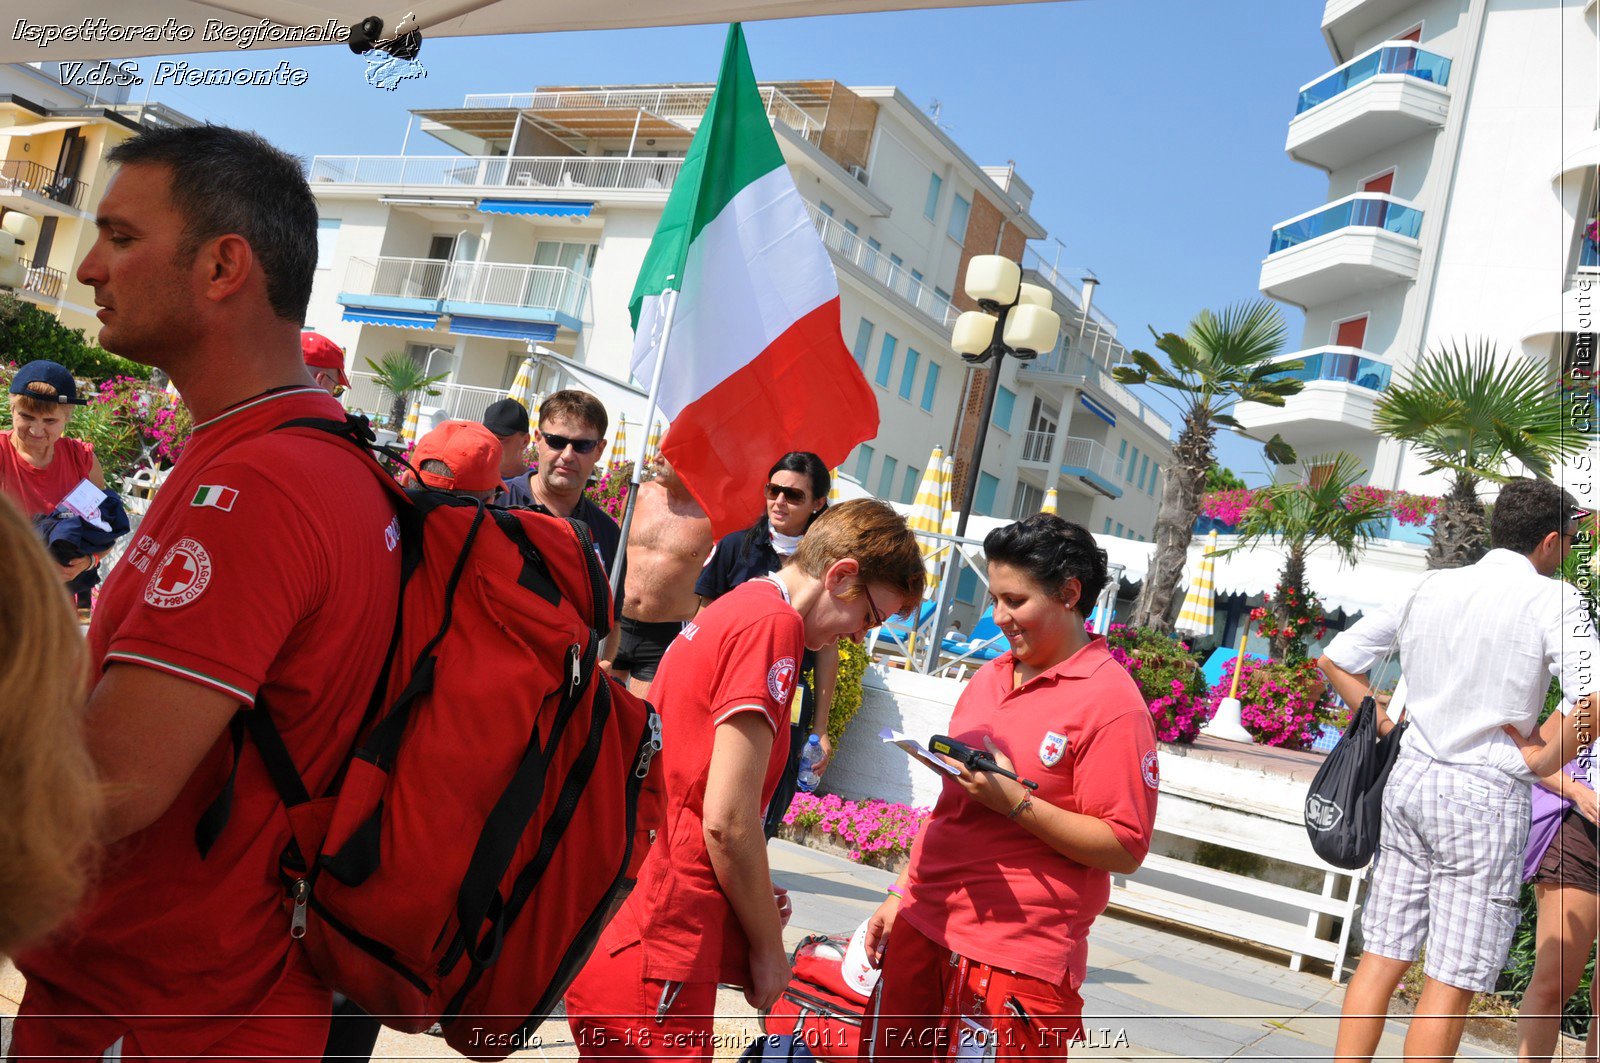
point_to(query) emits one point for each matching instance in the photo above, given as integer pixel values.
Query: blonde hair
(40, 400)
(48, 785)
(874, 535)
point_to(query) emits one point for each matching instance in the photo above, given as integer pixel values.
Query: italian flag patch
(215, 496)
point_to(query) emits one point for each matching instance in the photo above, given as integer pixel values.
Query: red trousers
(931, 1004)
(615, 1012)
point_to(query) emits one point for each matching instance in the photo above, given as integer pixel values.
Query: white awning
(1580, 312)
(1586, 156)
(33, 129)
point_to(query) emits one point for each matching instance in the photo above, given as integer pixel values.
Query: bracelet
(894, 891)
(1022, 805)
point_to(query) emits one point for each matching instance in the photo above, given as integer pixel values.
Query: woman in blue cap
(39, 466)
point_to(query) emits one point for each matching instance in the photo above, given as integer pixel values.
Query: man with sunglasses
(325, 361)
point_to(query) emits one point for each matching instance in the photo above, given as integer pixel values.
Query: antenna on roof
(935, 110)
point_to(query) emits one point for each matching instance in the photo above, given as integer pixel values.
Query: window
(1005, 404)
(909, 484)
(1107, 529)
(886, 360)
(823, 206)
(864, 454)
(886, 477)
(863, 342)
(896, 261)
(1133, 465)
(873, 245)
(1144, 469)
(1120, 529)
(1029, 499)
(931, 207)
(941, 293)
(930, 386)
(908, 372)
(1155, 470)
(579, 258)
(851, 228)
(959, 209)
(1122, 453)
(983, 499)
(327, 236)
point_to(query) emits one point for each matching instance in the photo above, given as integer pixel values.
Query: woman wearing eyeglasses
(983, 940)
(796, 492)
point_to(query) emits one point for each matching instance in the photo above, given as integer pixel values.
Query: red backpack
(502, 792)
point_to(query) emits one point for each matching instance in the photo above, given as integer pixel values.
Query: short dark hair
(576, 405)
(230, 181)
(1051, 550)
(808, 465)
(1527, 511)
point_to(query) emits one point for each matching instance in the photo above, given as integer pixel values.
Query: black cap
(59, 378)
(506, 417)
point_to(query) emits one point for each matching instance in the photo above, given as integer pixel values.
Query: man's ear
(845, 570)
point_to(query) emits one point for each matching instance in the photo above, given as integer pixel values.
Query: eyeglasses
(795, 495)
(876, 617)
(560, 443)
(339, 389)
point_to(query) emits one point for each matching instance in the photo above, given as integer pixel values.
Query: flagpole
(671, 297)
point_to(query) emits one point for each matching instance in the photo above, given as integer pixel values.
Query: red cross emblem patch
(1052, 748)
(182, 576)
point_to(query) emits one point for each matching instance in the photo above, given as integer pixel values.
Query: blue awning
(1098, 410)
(544, 207)
(530, 331)
(394, 318)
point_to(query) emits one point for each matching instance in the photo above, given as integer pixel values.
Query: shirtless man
(668, 544)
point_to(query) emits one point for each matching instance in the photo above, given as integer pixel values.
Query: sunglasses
(560, 443)
(795, 495)
(339, 389)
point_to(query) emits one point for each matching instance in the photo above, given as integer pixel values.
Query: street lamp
(1014, 318)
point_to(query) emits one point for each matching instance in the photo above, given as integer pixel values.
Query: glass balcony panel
(1391, 59)
(1377, 212)
(1340, 364)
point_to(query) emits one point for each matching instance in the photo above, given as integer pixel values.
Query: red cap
(321, 352)
(469, 450)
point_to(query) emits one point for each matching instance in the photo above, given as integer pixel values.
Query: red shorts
(931, 1003)
(617, 1013)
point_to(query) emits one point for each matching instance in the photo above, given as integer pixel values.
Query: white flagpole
(670, 296)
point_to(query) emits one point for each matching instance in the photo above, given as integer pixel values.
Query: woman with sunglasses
(796, 493)
(983, 939)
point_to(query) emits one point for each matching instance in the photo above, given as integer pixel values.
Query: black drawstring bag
(1344, 808)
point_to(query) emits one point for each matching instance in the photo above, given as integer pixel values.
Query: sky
(1151, 131)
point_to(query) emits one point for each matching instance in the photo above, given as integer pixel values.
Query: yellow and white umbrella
(927, 514)
(409, 433)
(1199, 604)
(652, 447)
(619, 444)
(833, 488)
(1049, 503)
(522, 386)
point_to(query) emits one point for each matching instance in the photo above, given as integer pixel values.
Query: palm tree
(401, 378)
(1323, 508)
(1473, 410)
(1220, 362)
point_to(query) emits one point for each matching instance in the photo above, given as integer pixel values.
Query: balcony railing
(1036, 446)
(562, 172)
(1090, 456)
(1349, 365)
(1362, 210)
(552, 288)
(1394, 58)
(688, 102)
(42, 280)
(1066, 362)
(20, 175)
(897, 279)
(456, 401)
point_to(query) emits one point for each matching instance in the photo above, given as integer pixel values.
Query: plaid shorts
(1449, 869)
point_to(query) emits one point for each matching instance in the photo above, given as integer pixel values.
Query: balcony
(1386, 95)
(580, 175)
(454, 401)
(1092, 464)
(850, 248)
(672, 104)
(1342, 389)
(44, 283)
(38, 190)
(495, 291)
(1063, 364)
(1036, 447)
(1352, 245)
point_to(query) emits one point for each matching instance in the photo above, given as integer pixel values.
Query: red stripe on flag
(804, 392)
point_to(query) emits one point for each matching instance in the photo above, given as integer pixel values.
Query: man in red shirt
(263, 579)
(703, 911)
(325, 360)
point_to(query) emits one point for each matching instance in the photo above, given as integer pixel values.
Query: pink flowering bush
(1229, 507)
(1168, 676)
(872, 832)
(1282, 703)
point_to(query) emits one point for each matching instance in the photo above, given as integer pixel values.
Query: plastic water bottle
(808, 779)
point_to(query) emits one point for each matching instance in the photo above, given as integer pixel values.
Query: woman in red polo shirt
(983, 939)
(703, 911)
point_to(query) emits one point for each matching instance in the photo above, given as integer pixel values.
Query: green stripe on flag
(733, 147)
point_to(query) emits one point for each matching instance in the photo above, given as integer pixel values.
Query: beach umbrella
(652, 447)
(1199, 603)
(522, 387)
(1049, 503)
(833, 488)
(619, 444)
(409, 433)
(927, 514)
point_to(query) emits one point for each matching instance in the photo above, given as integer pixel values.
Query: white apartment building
(1459, 138)
(530, 233)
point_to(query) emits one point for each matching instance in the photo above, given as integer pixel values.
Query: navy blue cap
(506, 417)
(52, 373)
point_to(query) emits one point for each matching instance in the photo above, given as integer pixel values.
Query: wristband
(1022, 805)
(894, 891)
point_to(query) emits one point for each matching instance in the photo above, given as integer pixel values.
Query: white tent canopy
(136, 26)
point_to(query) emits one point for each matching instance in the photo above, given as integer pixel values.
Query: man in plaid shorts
(1478, 645)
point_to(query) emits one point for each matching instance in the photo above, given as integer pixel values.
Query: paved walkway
(1150, 994)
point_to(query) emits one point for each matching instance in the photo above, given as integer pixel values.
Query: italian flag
(739, 298)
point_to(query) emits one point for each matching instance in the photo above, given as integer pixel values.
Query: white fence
(554, 288)
(851, 247)
(472, 171)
